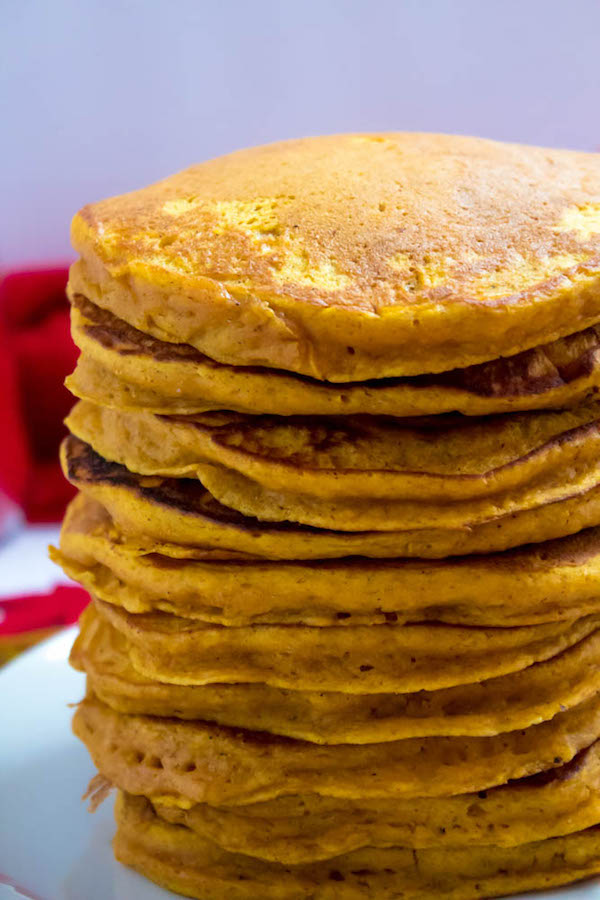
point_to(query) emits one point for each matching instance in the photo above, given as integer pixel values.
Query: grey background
(102, 97)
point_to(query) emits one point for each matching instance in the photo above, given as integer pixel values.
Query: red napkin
(61, 606)
(27, 619)
(36, 354)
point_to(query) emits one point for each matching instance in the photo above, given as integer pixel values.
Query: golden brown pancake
(438, 459)
(183, 511)
(124, 368)
(354, 256)
(180, 859)
(247, 497)
(524, 698)
(546, 582)
(305, 828)
(339, 517)
(361, 660)
(182, 763)
(301, 473)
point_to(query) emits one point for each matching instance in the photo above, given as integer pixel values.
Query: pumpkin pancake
(184, 512)
(509, 702)
(179, 859)
(439, 458)
(305, 828)
(337, 449)
(183, 763)
(124, 368)
(151, 445)
(244, 495)
(361, 660)
(546, 582)
(353, 257)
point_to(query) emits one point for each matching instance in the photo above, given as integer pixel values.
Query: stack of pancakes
(337, 445)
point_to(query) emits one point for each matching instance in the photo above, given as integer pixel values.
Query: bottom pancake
(179, 859)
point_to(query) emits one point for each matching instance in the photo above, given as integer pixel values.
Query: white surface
(98, 98)
(24, 564)
(51, 848)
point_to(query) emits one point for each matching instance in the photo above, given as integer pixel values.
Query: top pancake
(354, 257)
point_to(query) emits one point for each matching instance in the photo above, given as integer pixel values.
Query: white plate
(51, 848)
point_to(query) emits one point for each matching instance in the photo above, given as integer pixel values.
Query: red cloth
(36, 354)
(62, 606)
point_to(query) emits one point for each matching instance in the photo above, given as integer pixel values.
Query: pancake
(353, 257)
(179, 859)
(182, 511)
(297, 829)
(337, 450)
(124, 368)
(151, 445)
(547, 582)
(183, 763)
(525, 698)
(361, 660)
(441, 458)
(240, 493)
